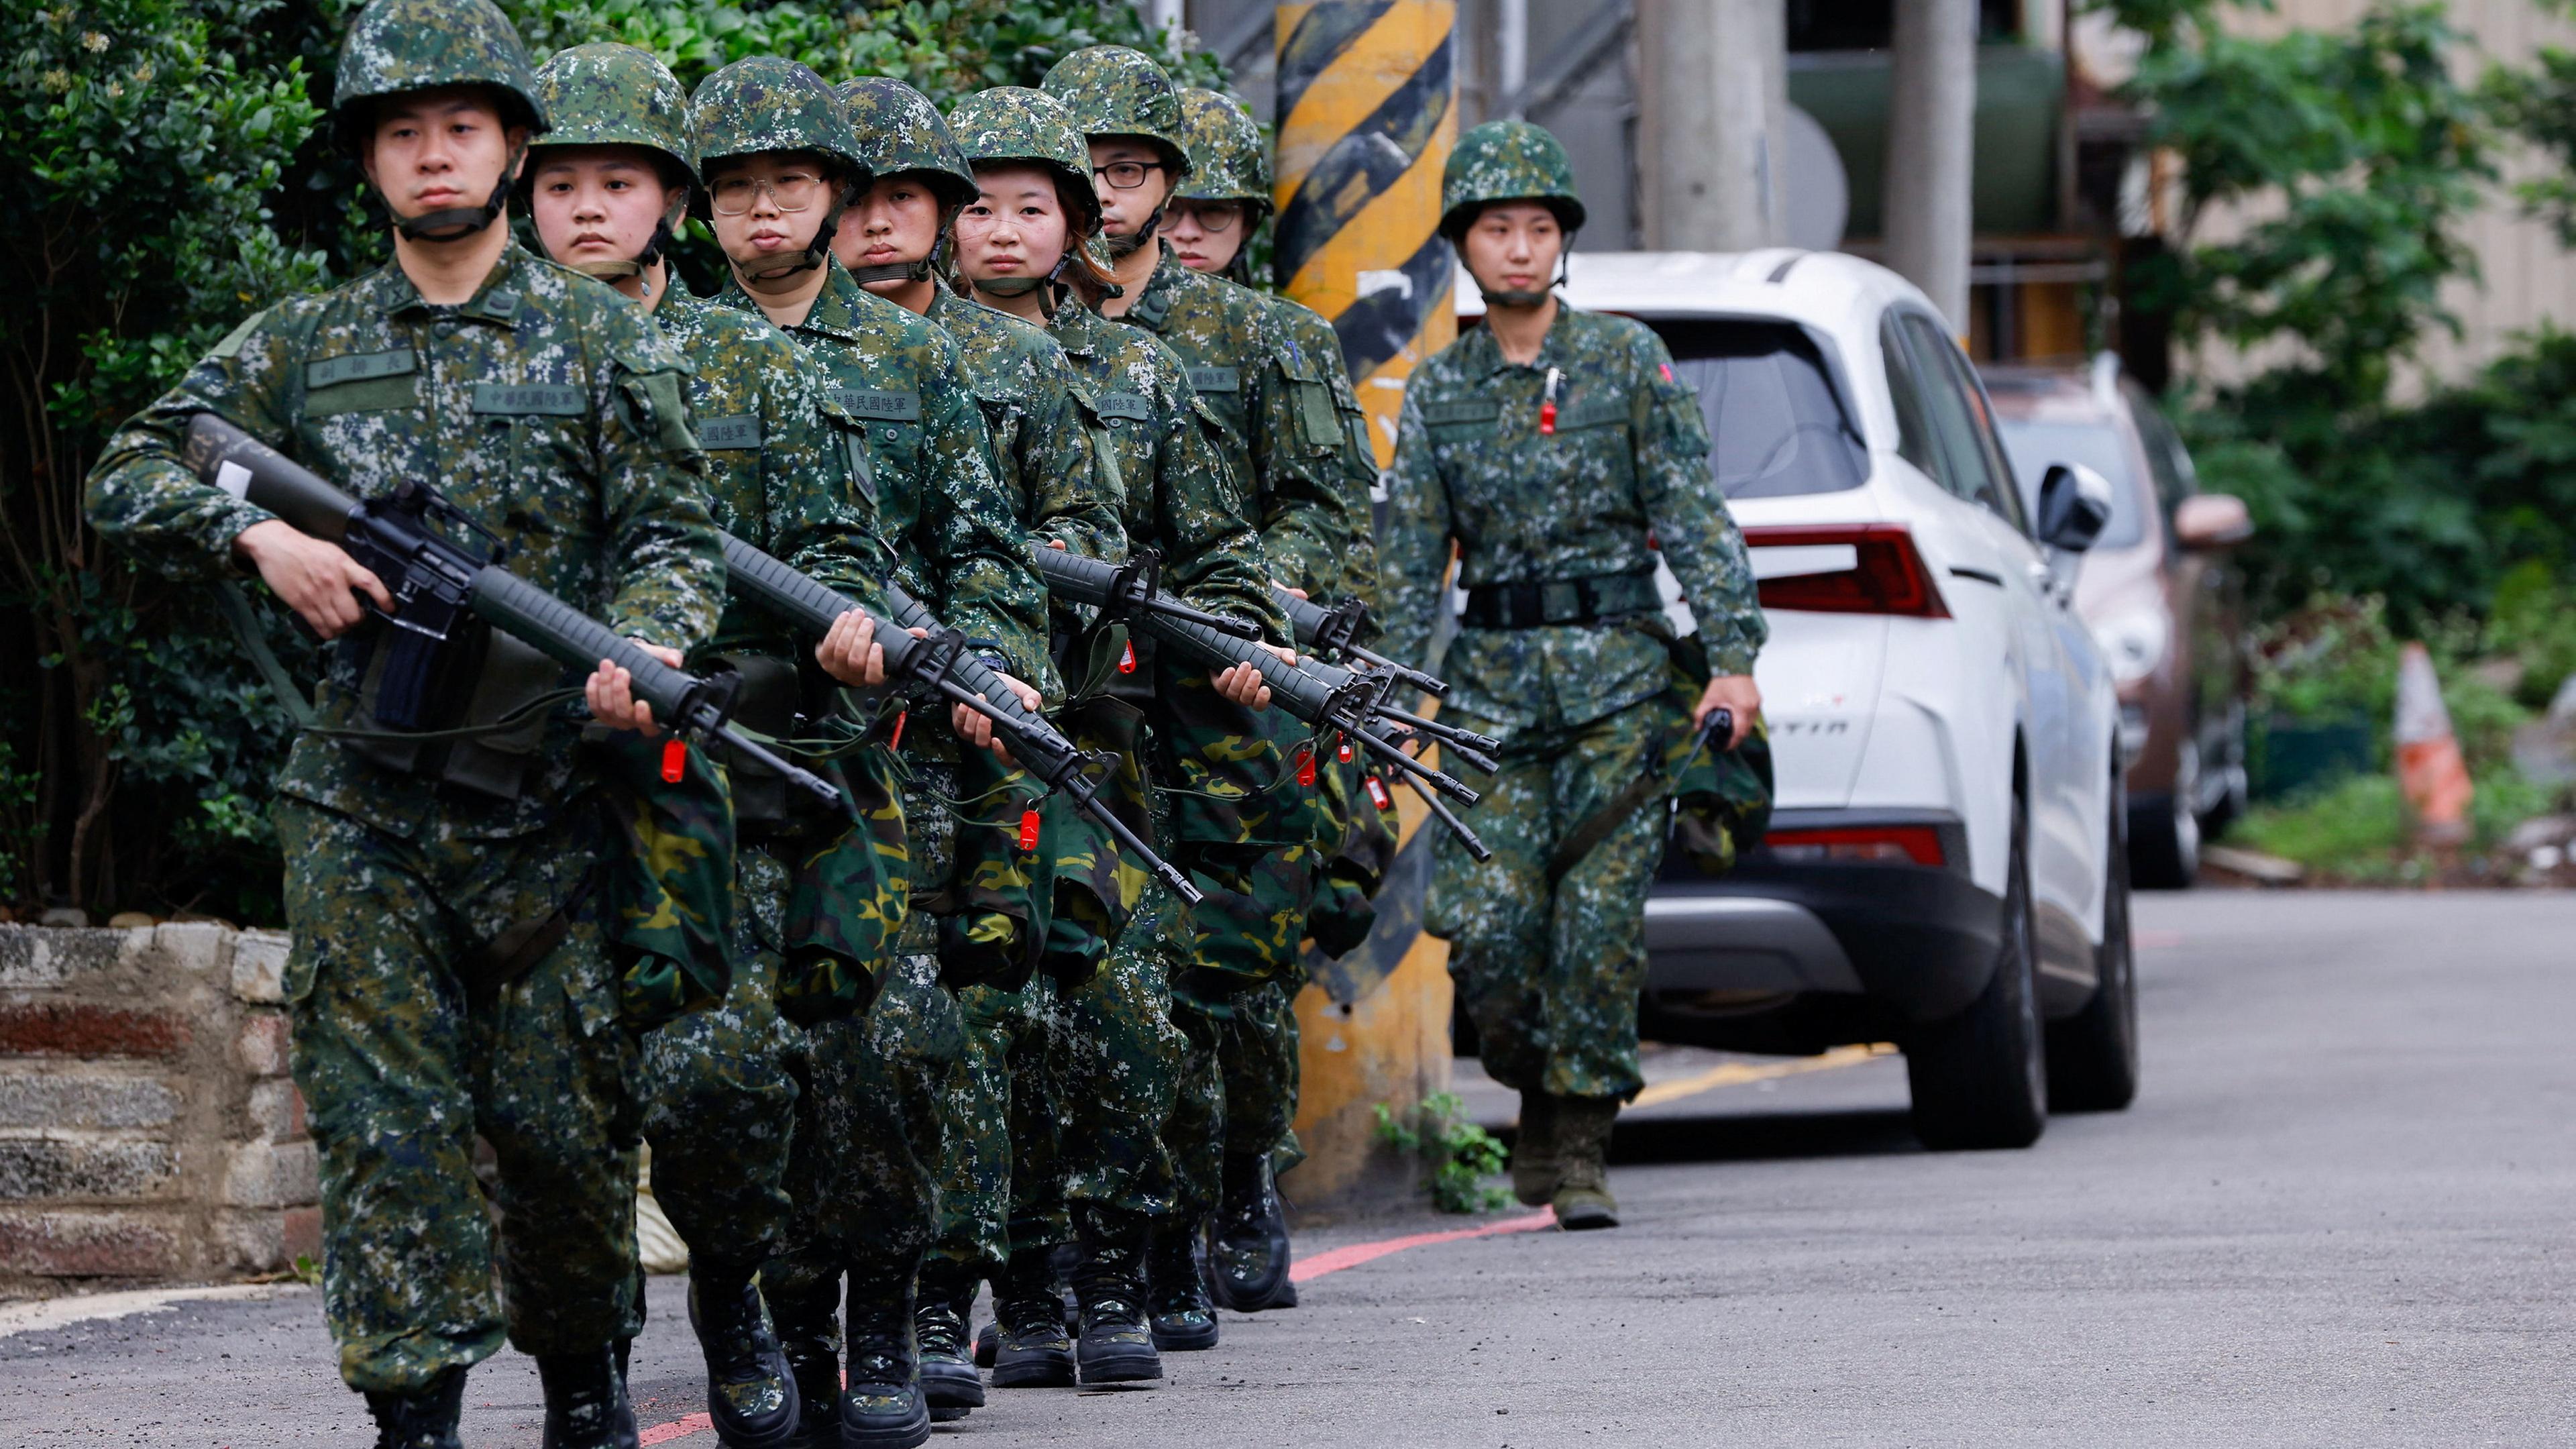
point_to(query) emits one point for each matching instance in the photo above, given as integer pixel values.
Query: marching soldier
(1548, 446)
(1022, 245)
(607, 187)
(782, 167)
(454, 970)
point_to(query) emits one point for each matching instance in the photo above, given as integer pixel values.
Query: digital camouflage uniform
(545, 407)
(868, 1146)
(1550, 972)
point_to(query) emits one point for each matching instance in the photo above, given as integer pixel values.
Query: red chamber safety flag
(675, 759)
(1029, 829)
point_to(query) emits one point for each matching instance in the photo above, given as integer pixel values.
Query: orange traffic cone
(2430, 769)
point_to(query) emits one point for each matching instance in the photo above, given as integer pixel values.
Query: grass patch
(1460, 1154)
(2355, 830)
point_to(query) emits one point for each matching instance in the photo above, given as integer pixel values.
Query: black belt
(1560, 601)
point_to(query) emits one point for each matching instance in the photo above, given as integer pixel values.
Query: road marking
(676, 1429)
(1736, 1073)
(47, 1313)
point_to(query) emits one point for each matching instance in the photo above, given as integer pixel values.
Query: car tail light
(1860, 845)
(1886, 574)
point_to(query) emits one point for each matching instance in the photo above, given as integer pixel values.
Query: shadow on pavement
(1762, 1136)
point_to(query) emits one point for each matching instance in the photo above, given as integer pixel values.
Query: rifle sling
(1592, 829)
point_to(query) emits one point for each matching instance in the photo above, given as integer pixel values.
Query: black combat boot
(1031, 1349)
(1176, 1300)
(423, 1420)
(1117, 1344)
(586, 1405)
(1583, 1197)
(881, 1404)
(1248, 1254)
(809, 1338)
(1534, 1151)
(751, 1392)
(949, 1382)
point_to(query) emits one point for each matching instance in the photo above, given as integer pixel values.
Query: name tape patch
(1126, 405)
(541, 399)
(358, 367)
(1435, 414)
(1216, 379)
(742, 432)
(880, 403)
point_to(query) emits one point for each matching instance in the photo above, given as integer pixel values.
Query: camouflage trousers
(1238, 1088)
(1550, 976)
(999, 1077)
(404, 1052)
(722, 1088)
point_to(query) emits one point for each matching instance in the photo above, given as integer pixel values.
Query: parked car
(2157, 592)
(1944, 868)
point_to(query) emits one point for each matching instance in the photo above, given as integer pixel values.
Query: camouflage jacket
(1315, 348)
(940, 503)
(1182, 497)
(786, 463)
(1629, 456)
(1283, 434)
(1041, 436)
(546, 407)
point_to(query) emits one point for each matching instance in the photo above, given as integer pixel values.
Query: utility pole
(1931, 111)
(1712, 106)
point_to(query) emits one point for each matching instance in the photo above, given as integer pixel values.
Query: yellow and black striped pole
(1367, 114)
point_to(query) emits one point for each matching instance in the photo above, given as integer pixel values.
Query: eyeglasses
(1128, 175)
(792, 191)
(1216, 218)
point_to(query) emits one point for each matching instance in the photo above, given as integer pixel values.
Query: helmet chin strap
(1532, 299)
(1122, 247)
(921, 269)
(460, 222)
(819, 250)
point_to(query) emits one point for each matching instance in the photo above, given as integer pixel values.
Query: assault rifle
(1334, 634)
(1319, 694)
(438, 584)
(941, 662)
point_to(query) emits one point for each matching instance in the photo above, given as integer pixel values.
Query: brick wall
(148, 1131)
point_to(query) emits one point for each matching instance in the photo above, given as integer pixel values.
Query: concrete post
(1931, 113)
(1367, 116)
(1712, 107)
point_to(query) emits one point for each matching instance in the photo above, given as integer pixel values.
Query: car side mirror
(2074, 504)
(2212, 521)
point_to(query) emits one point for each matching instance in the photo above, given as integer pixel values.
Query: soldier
(1021, 245)
(781, 168)
(1235, 1129)
(451, 973)
(895, 243)
(1286, 436)
(608, 185)
(1548, 445)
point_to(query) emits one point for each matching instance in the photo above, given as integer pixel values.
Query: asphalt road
(2337, 1215)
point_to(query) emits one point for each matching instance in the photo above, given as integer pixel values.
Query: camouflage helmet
(1229, 160)
(1111, 90)
(763, 103)
(397, 46)
(616, 95)
(1015, 123)
(899, 130)
(1506, 161)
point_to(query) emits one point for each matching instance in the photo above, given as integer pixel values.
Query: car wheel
(2093, 1055)
(2164, 836)
(1980, 1079)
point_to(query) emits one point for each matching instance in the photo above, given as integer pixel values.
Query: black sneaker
(1248, 1251)
(751, 1392)
(1178, 1309)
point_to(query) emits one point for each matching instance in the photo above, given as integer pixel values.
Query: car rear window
(1777, 427)
(2098, 446)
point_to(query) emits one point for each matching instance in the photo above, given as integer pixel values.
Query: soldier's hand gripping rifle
(1343, 702)
(942, 663)
(1334, 634)
(437, 584)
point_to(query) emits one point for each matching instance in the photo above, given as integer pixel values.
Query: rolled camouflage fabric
(764, 103)
(1507, 161)
(1229, 161)
(1111, 90)
(398, 46)
(899, 130)
(616, 95)
(1015, 123)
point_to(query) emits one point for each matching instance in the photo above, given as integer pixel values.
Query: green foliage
(166, 178)
(1460, 1155)
(2539, 106)
(2355, 832)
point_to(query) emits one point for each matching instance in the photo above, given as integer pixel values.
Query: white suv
(1944, 868)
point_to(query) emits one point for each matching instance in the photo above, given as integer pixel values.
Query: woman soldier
(1554, 450)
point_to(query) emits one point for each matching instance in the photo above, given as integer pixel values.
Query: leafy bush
(166, 179)
(1460, 1155)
